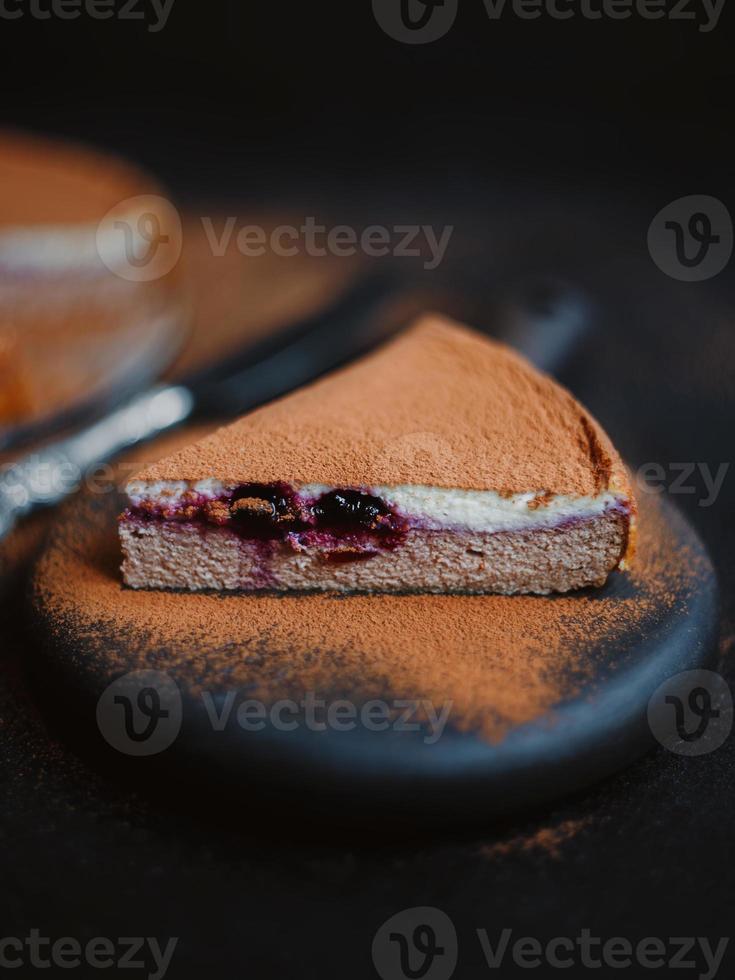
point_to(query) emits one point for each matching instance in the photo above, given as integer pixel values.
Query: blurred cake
(16, 400)
(53, 196)
(73, 309)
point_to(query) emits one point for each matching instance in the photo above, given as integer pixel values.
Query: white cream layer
(433, 507)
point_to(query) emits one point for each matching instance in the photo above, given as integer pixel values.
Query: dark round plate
(406, 709)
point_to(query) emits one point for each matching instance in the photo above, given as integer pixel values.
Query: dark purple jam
(350, 524)
(265, 511)
(352, 510)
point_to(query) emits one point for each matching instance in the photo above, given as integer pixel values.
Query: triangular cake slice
(443, 462)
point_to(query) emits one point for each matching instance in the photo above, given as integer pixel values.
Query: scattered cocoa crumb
(217, 511)
(549, 840)
(253, 505)
(540, 500)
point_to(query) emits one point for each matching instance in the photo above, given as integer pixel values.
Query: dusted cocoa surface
(440, 405)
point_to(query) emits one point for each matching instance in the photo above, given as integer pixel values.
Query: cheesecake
(442, 462)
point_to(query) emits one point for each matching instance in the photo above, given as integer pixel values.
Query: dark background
(551, 144)
(244, 96)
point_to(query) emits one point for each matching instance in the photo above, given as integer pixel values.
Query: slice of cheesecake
(443, 462)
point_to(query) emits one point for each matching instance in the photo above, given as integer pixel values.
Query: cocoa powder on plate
(500, 660)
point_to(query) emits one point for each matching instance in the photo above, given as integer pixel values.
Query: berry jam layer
(342, 520)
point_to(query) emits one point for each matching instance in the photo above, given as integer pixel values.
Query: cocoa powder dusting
(488, 418)
(252, 505)
(549, 840)
(502, 661)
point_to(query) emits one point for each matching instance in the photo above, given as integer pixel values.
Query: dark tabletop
(647, 853)
(549, 150)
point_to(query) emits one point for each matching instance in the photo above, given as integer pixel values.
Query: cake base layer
(171, 555)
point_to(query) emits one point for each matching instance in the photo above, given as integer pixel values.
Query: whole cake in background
(53, 196)
(71, 314)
